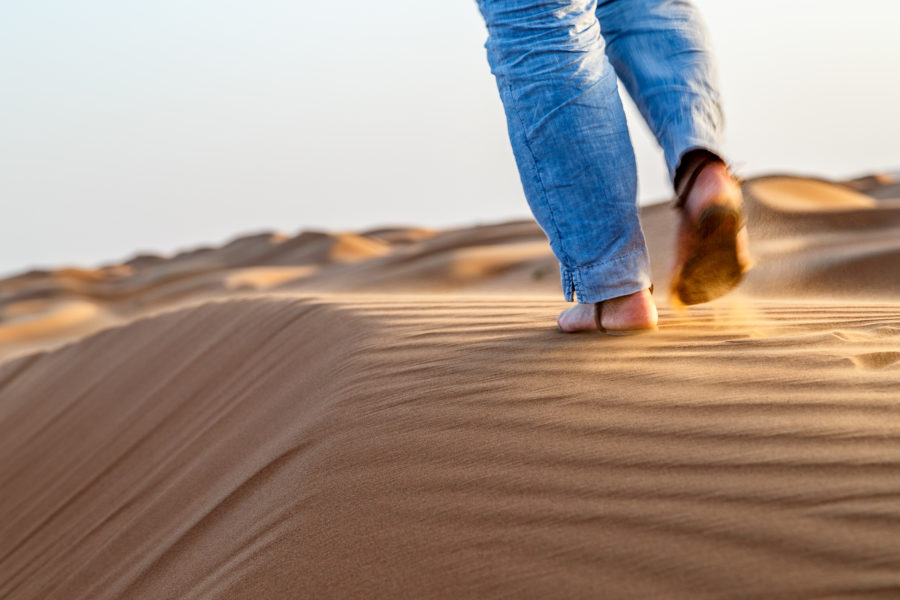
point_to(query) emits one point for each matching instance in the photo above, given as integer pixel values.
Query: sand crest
(391, 414)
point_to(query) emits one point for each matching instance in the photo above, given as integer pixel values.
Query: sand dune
(392, 414)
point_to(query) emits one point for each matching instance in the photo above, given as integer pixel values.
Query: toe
(577, 318)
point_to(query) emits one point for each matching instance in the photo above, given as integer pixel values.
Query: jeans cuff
(610, 279)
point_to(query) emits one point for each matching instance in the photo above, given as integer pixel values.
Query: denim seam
(537, 170)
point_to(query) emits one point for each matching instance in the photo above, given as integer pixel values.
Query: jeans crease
(558, 84)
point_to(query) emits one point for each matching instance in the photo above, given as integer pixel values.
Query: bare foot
(635, 312)
(711, 254)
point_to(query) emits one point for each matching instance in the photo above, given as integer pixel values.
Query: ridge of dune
(881, 186)
(433, 447)
(392, 414)
(814, 238)
(806, 194)
(810, 237)
(397, 259)
(400, 235)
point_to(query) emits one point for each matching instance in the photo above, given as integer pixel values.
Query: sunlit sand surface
(393, 414)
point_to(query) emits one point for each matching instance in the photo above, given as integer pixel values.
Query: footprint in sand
(876, 360)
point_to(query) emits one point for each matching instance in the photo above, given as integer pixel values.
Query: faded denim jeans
(555, 63)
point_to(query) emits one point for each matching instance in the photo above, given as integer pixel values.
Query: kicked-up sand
(392, 414)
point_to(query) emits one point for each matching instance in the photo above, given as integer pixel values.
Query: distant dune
(392, 414)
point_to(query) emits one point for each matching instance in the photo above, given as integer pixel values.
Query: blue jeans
(555, 63)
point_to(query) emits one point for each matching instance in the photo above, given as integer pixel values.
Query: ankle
(689, 162)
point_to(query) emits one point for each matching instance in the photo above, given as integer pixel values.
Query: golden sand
(392, 414)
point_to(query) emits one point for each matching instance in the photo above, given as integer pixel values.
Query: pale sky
(131, 127)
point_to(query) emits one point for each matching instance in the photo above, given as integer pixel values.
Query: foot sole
(714, 268)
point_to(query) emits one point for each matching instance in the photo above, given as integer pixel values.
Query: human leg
(660, 51)
(570, 140)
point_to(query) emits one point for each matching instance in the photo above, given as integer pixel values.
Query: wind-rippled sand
(392, 414)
